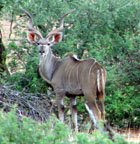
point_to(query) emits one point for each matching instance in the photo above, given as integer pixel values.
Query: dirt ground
(131, 135)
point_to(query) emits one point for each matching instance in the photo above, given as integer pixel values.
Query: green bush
(23, 130)
(124, 107)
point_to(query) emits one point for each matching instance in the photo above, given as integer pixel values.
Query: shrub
(23, 130)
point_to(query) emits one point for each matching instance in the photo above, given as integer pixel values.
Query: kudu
(70, 76)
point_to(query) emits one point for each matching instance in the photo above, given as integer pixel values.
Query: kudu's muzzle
(41, 51)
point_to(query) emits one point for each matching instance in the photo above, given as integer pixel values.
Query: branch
(37, 106)
(11, 25)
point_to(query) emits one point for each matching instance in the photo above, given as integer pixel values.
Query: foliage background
(107, 30)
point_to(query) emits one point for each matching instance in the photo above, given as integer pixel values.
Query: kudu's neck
(47, 65)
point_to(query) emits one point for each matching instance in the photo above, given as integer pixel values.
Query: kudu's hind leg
(74, 113)
(93, 111)
(101, 106)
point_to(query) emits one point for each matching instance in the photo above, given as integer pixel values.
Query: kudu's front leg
(74, 113)
(60, 104)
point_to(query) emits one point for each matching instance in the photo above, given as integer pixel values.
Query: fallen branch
(36, 106)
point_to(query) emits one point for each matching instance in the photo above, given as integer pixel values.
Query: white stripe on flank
(69, 76)
(103, 79)
(77, 74)
(90, 70)
(98, 80)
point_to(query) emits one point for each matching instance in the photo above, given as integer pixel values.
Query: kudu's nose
(41, 52)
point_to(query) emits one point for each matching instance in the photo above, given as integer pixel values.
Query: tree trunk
(3, 67)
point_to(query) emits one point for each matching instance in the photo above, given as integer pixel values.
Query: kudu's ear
(54, 37)
(57, 37)
(31, 37)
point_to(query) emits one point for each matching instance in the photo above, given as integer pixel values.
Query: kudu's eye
(37, 43)
(48, 44)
